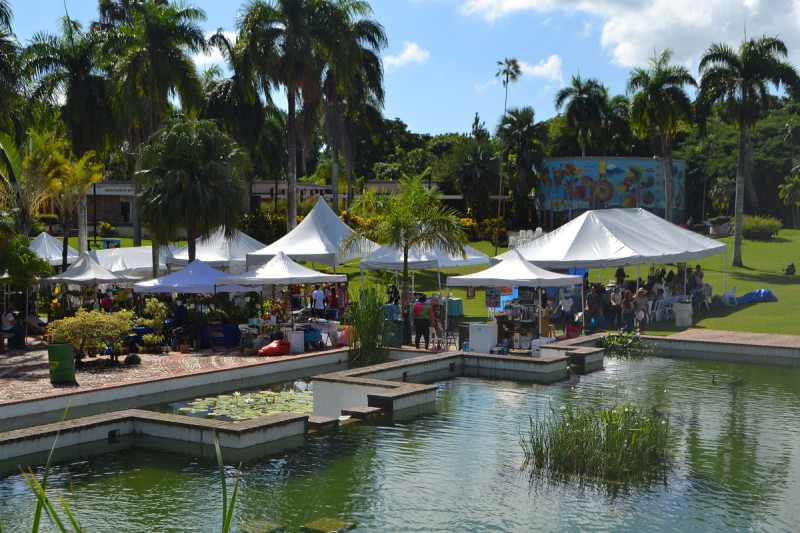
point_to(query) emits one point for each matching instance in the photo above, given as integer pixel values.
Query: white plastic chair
(512, 242)
(657, 310)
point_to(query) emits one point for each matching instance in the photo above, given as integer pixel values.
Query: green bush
(720, 220)
(47, 218)
(151, 343)
(90, 332)
(370, 332)
(760, 227)
(106, 229)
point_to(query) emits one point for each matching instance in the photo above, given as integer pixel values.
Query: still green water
(736, 465)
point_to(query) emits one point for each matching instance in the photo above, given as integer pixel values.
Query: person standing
(628, 311)
(10, 325)
(642, 306)
(318, 303)
(594, 308)
(422, 321)
(333, 305)
(616, 306)
(437, 315)
(567, 312)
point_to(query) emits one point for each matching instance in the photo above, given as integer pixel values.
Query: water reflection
(735, 466)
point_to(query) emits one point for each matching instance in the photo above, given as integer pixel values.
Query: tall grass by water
(611, 444)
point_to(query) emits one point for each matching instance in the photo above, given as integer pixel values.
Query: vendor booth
(219, 251)
(517, 319)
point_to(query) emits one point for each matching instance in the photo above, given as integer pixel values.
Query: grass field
(764, 262)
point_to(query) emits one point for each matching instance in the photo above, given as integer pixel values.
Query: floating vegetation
(611, 444)
(627, 345)
(238, 406)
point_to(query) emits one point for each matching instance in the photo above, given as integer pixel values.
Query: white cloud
(549, 69)
(587, 29)
(213, 57)
(411, 53)
(633, 29)
(480, 88)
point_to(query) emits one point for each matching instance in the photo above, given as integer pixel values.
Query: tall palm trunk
(583, 142)
(739, 200)
(335, 178)
(669, 199)
(191, 235)
(291, 164)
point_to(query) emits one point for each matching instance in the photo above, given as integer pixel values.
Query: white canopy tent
(617, 237)
(515, 271)
(318, 238)
(220, 252)
(51, 249)
(195, 278)
(87, 272)
(391, 258)
(280, 270)
(133, 261)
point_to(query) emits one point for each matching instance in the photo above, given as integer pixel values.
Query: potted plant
(152, 343)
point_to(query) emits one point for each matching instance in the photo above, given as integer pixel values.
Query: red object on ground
(276, 347)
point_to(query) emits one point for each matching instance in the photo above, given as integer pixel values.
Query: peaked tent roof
(86, 271)
(218, 251)
(616, 237)
(280, 270)
(390, 258)
(132, 260)
(50, 249)
(195, 278)
(514, 271)
(317, 238)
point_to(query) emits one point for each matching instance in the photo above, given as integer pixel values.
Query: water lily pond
(293, 397)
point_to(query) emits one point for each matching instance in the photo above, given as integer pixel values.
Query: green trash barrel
(62, 363)
(395, 329)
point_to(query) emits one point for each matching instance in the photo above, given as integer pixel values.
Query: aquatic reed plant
(227, 510)
(627, 346)
(369, 337)
(613, 443)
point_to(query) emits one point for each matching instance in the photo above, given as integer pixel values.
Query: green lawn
(764, 262)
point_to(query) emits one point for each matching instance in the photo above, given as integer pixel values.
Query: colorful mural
(578, 184)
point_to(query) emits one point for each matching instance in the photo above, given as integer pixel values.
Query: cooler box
(297, 341)
(482, 337)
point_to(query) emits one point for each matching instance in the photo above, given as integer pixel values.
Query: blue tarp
(760, 295)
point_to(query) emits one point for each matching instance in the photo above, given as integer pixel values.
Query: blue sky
(442, 56)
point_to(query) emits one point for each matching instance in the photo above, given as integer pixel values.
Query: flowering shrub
(470, 228)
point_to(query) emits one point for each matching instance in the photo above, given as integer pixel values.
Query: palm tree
(353, 79)
(740, 81)
(584, 107)
(28, 173)
(521, 137)
(151, 46)
(284, 38)
(414, 216)
(150, 41)
(67, 71)
(659, 107)
(10, 72)
(192, 179)
(234, 101)
(70, 188)
(477, 168)
(615, 126)
(789, 192)
(510, 72)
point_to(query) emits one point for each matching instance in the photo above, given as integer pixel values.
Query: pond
(736, 465)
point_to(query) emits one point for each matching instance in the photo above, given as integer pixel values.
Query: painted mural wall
(578, 184)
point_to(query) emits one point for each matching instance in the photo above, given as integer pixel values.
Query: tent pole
(439, 278)
(725, 273)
